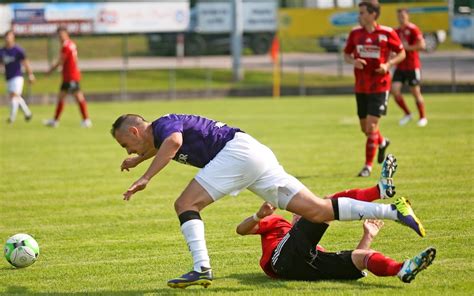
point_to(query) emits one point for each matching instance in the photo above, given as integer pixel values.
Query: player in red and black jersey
(292, 251)
(409, 70)
(369, 49)
(68, 60)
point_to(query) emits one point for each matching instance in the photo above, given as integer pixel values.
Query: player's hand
(372, 227)
(31, 78)
(139, 185)
(359, 64)
(129, 163)
(265, 210)
(383, 68)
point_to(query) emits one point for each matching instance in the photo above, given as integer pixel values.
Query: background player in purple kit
(230, 161)
(13, 57)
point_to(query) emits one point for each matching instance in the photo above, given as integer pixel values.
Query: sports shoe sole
(184, 285)
(391, 164)
(426, 260)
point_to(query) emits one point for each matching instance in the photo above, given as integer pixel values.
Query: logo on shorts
(382, 107)
(361, 216)
(182, 158)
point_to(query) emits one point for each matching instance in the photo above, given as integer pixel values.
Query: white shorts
(15, 85)
(246, 163)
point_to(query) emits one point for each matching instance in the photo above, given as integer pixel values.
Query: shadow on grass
(261, 280)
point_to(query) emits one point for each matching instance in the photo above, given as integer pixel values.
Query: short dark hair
(372, 7)
(121, 119)
(61, 28)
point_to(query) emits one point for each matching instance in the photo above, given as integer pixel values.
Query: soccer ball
(21, 250)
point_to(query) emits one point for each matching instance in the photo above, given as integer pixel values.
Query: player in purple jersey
(13, 57)
(231, 161)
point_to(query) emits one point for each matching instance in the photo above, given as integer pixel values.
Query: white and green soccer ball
(21, 250)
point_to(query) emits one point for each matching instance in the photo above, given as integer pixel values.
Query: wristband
(256, 218)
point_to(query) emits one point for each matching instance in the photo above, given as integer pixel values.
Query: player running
(230, 161)
(68, 60)
(369, 49)
(13, 57)
(409, 70)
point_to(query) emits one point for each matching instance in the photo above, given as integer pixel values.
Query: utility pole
(236, 36)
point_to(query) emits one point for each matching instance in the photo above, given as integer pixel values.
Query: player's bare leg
(420, 104)
(397, 94)
(193, 199)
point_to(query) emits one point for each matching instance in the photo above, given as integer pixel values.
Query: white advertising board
(216, 17)
(97, 18)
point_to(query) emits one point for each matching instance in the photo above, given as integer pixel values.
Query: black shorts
(372, 104)
(296, 257)
(412, 77)
(71, 86)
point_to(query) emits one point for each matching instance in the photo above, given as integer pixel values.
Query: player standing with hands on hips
(230, 161)
(369, 49)
(68, 60)
(13, 57)
(409, 70)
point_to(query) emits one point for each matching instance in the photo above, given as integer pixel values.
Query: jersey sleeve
(21, 54)
(166, 126)
(268, 223)
(350, 46)
(417, 33)
(395, 43)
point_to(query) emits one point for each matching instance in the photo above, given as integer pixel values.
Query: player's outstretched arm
(371, 229)
(132, 162)
(165, 154)
(250, 224)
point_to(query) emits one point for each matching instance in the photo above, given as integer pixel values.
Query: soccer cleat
(86, 123)
(28, 117)
(405, 119)
(407, 217)
(412, 267)
(422, 122)
(51, 123)
(365, 172)
(386, 185)
(203, 278)
(381, 154)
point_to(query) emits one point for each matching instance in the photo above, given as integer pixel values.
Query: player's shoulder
(356, 29)
(386, 29)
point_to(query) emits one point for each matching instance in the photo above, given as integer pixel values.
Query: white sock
(351, 209)
(24, 106)
(193, 231)
(13, 109)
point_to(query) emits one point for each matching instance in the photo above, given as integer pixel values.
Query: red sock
(401, 102)
(366, 194)
(371, 148)
(381, 138)
(380, 265)
(421, 109)
(83, 107)
(59, 109)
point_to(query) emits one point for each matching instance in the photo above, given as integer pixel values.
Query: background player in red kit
(68, 60)
(292, 251)
(369, 49)
(408, 71)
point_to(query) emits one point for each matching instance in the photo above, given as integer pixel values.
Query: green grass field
(64, 187)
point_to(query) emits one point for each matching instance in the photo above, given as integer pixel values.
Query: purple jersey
(202, 138)
(11, 58)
